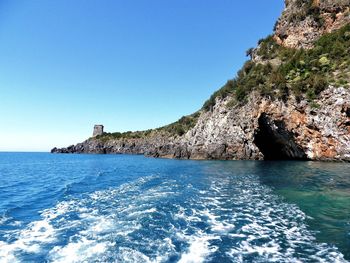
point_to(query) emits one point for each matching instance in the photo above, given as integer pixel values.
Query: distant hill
(290, 100)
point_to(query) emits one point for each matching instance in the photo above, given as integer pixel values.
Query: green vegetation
(177, 128)
(124, 135)
(307, 8)
(182, 125)
(221, 93)
(282, 71)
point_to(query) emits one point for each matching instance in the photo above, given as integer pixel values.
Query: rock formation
(302, 22)
(262, 127)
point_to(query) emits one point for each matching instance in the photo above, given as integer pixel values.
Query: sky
(127, 64)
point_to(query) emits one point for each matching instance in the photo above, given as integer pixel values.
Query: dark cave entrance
(275, 142)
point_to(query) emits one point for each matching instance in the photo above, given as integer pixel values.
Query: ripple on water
(157, 219)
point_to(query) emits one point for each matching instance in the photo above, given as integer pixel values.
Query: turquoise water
(120, 208)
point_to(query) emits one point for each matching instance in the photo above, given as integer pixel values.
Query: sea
(129, 208)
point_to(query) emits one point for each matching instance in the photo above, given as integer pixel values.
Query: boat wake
(161, 219)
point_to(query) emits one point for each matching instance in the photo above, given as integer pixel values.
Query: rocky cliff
(260, 129)
(284, 104)
(304, 21)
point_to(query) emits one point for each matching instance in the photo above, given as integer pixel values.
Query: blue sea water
(121, 208)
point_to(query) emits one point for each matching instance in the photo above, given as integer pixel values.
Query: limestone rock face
(272, 129)
(302, 22)
(260, 129)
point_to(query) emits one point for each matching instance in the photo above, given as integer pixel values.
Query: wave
(161, 219)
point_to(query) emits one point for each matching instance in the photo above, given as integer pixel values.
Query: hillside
(290, 100)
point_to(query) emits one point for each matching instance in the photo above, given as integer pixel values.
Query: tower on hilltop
(98, 130)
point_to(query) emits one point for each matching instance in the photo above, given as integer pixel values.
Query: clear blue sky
(130, 65)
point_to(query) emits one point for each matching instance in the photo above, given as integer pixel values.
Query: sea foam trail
(162, 219)
(247, 223)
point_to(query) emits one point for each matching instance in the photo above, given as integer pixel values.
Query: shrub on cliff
(181, 126)
(222, 93)
(268, 48)
(305, 73)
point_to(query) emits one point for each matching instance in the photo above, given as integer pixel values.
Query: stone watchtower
(98, 130)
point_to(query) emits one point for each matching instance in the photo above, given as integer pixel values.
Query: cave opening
(275, 142)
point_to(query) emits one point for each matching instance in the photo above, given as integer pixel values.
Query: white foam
(3, 219)
(102, 225)
(28, 240)
(7, 253)
(257, 222)
(133, 256)
(218, 225)
(6, 220)
(142, 212)
(89, 224)
(80, 251)
(199, 249)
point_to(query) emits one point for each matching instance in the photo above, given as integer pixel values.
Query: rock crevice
(275, 142)
(260, 129)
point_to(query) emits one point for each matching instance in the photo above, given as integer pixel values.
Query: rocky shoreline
(260, 129)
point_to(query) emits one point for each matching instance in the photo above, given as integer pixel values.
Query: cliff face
(304, 21)
(263, 126)
(273, 129)
(260, 129)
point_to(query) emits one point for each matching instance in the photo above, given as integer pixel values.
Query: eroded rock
(260, 129)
